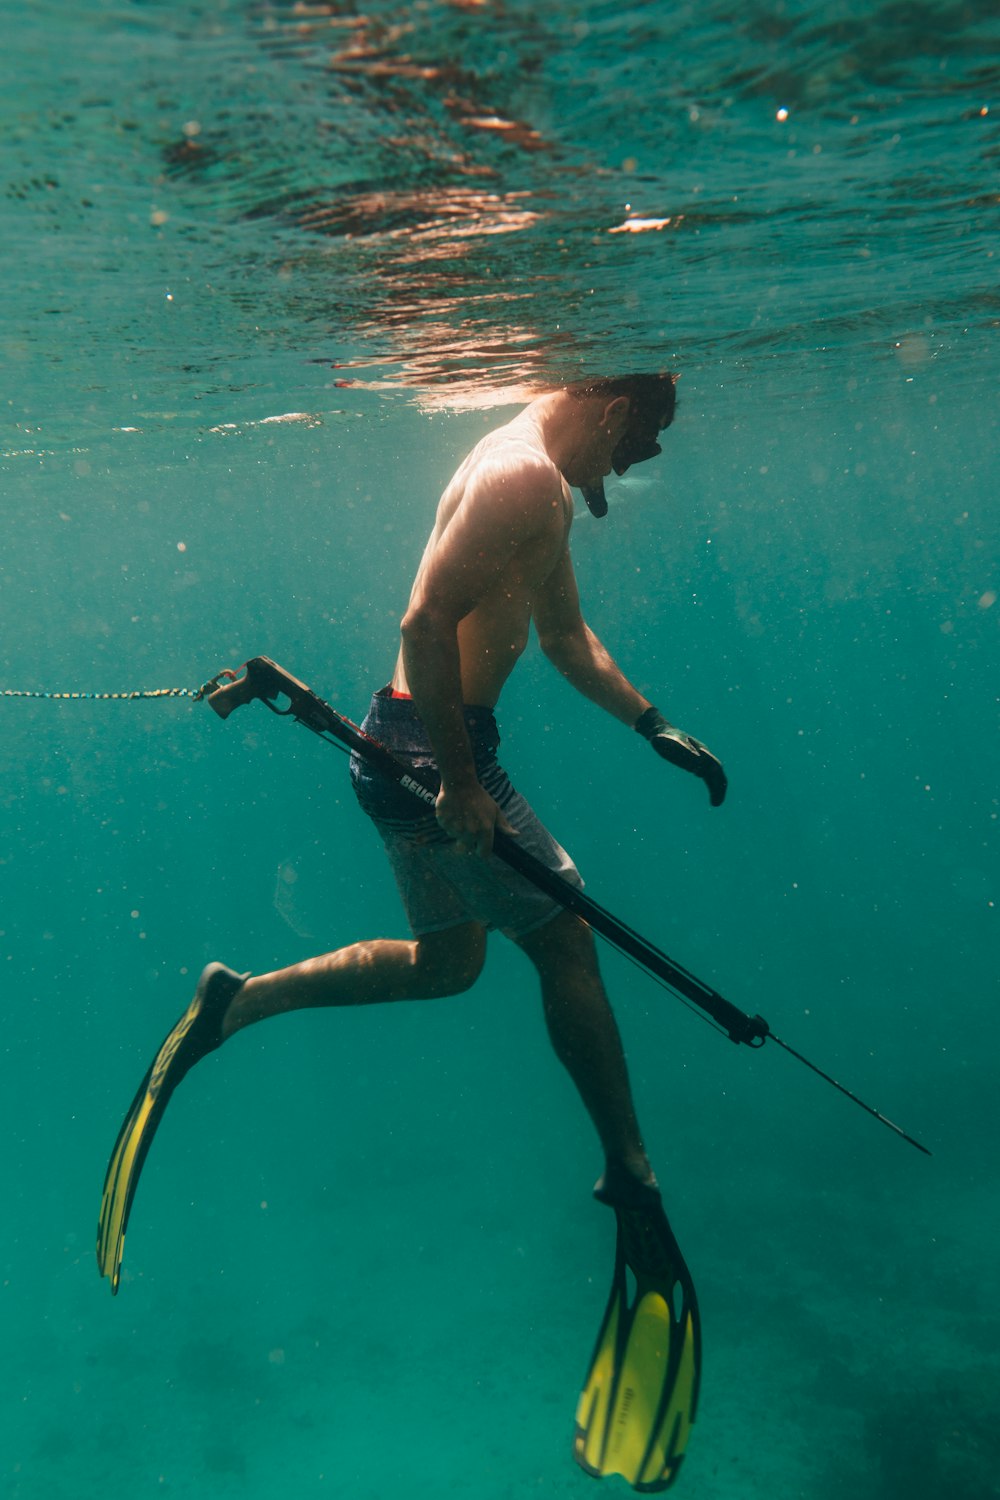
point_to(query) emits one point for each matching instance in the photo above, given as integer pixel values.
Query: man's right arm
(431, 661)
(501, 511)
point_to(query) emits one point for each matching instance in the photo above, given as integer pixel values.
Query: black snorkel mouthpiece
(634, 448)
(597, 502)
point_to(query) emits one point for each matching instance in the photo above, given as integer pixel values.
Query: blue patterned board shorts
(440, 886)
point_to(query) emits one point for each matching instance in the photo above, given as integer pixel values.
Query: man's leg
(586, 1040)
(440, 963)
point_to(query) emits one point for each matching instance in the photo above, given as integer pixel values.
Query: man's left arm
(574, 650)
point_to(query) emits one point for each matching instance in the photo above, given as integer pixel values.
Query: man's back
(501, 528)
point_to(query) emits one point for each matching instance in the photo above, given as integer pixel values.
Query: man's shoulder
(508, 460)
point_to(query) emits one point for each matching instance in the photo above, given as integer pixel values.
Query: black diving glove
(683, 751)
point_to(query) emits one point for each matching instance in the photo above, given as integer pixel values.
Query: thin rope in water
(90, 697)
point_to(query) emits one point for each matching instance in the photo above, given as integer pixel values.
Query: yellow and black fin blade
(640, 1396)
(198, 1032)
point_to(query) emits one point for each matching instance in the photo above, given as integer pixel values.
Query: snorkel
(596, 499)
(652, 402)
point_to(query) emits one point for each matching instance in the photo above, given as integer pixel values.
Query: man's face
(597, 460)
(626, 434)
(638, 441)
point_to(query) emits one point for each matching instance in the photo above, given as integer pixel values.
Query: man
(497, 560)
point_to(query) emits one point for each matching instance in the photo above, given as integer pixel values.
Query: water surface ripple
(459, 196)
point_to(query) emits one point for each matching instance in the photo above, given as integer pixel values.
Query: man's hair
(649, 395)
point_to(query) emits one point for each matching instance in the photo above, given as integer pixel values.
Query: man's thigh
(562, 947)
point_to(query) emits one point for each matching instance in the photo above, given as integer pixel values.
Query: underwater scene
(270, 271)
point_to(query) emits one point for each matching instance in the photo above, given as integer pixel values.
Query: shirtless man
(497, 559)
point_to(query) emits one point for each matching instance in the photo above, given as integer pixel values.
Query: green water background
(363, 1259)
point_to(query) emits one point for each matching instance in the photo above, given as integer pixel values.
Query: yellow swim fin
(198, 1031)
(640, 1396)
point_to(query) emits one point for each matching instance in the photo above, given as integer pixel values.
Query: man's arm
(502, 511)
(573, 648)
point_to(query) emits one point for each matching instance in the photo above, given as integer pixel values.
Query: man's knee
(451, 961)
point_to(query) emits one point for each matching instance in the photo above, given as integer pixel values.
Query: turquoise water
(363, 1259)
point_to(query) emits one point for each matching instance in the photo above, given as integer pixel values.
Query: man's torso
(494, 633)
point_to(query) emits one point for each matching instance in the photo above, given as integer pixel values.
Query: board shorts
(441, 886)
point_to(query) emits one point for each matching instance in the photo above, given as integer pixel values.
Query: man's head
(634, 410)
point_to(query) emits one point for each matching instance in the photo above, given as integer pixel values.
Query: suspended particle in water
(286, 902)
